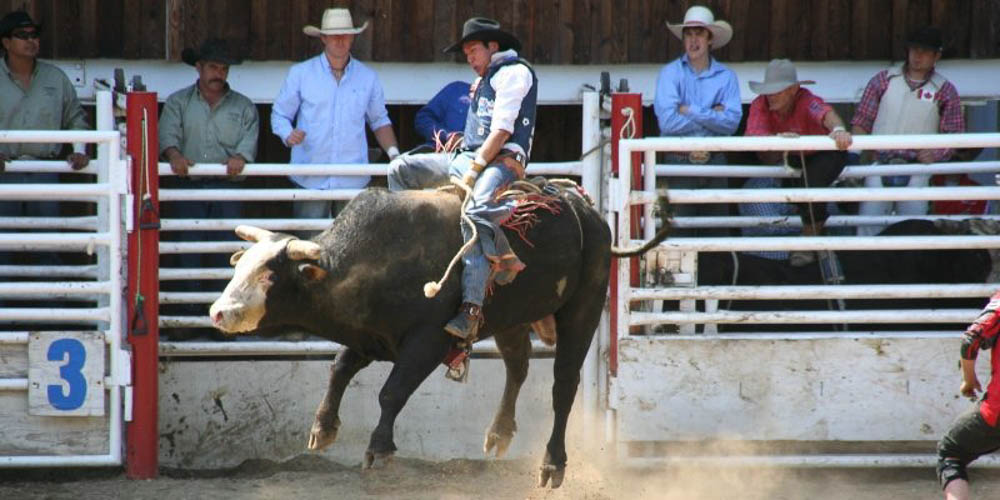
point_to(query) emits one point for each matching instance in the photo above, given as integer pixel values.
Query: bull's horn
(304, 250)
(254, 234)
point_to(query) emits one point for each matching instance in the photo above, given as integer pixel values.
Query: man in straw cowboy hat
(911, 98)
(785, 108)
(205, 122)
(497, 142)
(697, 96)
(322, 109)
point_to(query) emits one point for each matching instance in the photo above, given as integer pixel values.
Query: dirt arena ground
(312, 476)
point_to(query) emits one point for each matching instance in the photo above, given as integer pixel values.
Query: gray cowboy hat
(484, 30)
(15, 20)
(213, 49)
(780, 75)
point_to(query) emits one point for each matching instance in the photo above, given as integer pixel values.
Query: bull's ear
(312, 272)
(236, 257)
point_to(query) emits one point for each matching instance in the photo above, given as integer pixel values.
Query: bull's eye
(267, 277)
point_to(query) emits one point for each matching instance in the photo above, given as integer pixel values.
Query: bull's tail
(645, 247)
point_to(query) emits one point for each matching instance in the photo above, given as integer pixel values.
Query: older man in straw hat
(322, 109)
(697, 96)
(497, 142)
(785, 108)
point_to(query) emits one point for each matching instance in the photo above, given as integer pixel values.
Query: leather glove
(470, 178)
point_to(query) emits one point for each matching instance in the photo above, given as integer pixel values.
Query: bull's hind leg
(515, 347)
(575, 324)
(420, 352)
(327, 422)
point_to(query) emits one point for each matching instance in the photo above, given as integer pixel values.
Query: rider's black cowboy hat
(484, 30)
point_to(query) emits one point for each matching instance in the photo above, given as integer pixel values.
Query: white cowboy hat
(779, 75)
(335, 22)
(701, 17)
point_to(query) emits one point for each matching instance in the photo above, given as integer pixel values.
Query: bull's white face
(241, 306)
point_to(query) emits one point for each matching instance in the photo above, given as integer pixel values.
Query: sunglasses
(26, 35)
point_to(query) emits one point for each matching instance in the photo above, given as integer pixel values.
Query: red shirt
(957, 207)
(806, 117)
(983, 333)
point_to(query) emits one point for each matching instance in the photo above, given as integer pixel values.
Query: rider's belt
(513, 160)
(692, 157)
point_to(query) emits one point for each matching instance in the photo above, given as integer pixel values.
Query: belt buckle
(699, 157)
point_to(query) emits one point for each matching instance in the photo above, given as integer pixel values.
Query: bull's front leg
(420, 352)
(327, 422)
(515, 347)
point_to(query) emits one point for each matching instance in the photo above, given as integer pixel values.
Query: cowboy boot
(465, 325)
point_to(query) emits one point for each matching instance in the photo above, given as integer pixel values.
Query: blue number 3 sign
(66, 373)
(75, 355)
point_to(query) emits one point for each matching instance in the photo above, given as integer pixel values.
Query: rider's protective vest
(480, 117)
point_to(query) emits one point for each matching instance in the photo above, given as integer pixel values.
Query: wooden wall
(552, 31)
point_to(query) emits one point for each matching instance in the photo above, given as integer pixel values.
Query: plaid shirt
(949, 105)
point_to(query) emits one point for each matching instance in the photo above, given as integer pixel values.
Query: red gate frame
(619, 103)
(142, 433)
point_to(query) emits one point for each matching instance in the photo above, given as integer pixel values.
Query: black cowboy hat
(15, 20)
(928, 37)
(484, 30)
(213, 49)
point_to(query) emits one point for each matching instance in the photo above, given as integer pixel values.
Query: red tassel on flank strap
(523, 217)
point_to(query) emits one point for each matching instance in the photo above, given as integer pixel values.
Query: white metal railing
(621, 198)
(103, 234)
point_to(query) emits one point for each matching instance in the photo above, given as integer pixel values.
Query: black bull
(860, 267)
(360, 283)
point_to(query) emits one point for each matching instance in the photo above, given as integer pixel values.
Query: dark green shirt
(49, 103)
(209, 135)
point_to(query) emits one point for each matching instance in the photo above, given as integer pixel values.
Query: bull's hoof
(495, 440)
(377, 460)
(551, 473)
(322, 435)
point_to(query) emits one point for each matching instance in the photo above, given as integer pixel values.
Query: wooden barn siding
(553, 31)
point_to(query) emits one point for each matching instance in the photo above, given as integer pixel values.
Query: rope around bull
(431, 288)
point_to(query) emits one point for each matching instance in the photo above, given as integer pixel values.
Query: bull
(360, 283)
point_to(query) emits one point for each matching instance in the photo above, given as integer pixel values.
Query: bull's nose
(216, 317)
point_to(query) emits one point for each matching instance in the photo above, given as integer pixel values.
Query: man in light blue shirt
(329, 98)
(697, 96)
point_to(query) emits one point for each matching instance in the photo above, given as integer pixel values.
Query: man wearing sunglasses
(35, 95)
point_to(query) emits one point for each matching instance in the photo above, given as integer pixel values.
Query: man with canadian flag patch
(911, 98)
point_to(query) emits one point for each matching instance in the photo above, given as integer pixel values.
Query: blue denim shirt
(333, 116)
(678, 84)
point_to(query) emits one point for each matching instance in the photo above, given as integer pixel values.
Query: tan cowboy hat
(701, 17)
(780, 75)
(335, 22)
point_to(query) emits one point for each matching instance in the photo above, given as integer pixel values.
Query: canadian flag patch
(925, 95)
